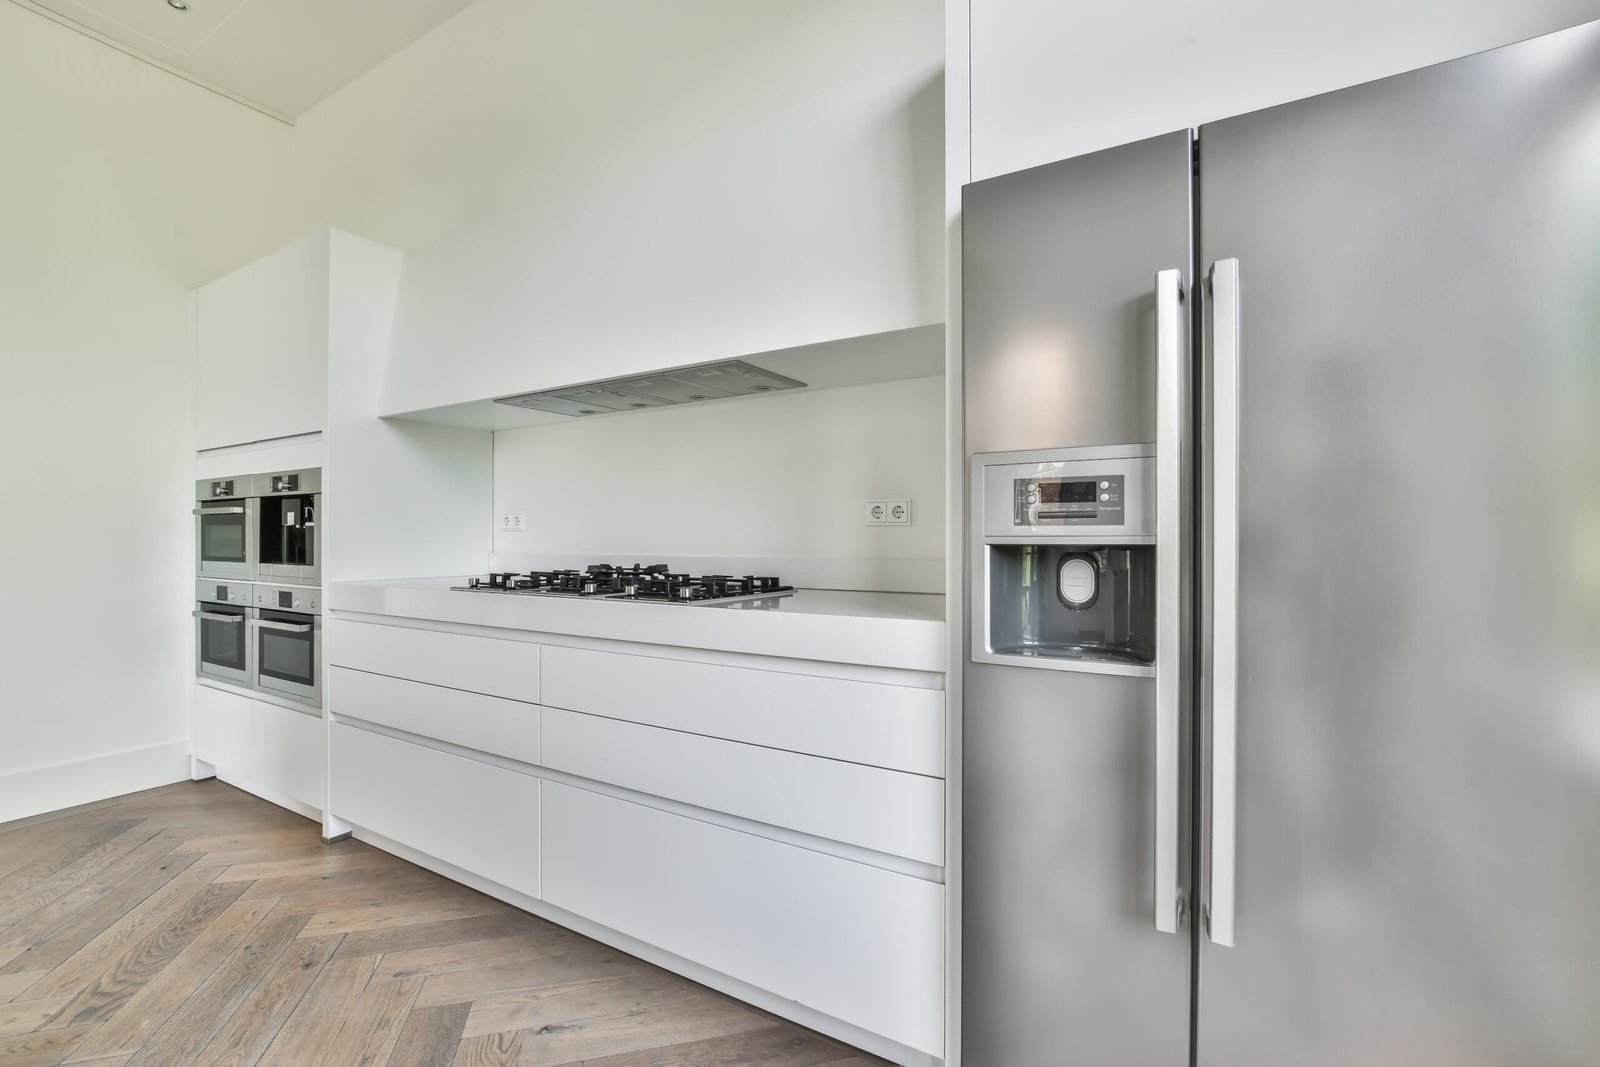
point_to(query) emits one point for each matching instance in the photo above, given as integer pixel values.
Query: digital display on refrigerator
(1062, 492)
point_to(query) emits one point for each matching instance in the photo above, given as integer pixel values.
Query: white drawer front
(855, 942)
(484, 819)
(889, 811)
(864, 722)
(490, 724)
(477, 664)
(286, 752)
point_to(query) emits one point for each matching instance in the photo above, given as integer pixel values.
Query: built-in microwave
(288, 540)
(225, 529)
(287, 642)
(222, 615)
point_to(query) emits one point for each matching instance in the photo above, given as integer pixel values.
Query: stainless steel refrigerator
(1282, 709)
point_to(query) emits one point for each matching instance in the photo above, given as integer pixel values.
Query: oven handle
(219, 511)
(217, 616)
(285, 627)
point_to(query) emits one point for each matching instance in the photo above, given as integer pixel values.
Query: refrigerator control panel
(1103, 495)
(1093, 500)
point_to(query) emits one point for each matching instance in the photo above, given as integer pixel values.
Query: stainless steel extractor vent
(685, 385)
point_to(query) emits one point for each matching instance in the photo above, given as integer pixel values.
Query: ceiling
(280, 56)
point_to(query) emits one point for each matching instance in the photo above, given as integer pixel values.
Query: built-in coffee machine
(1064, 559)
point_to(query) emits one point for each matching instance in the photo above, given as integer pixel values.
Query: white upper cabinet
(223, 363)
(261, 349)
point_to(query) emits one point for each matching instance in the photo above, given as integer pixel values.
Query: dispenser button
(1033, 498)
(1033, 487)
(1105, 485)
(1105, 496)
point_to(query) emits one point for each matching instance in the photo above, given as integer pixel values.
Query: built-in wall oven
(288, 540)
(287, 642)
(222, 615)
(225, 529)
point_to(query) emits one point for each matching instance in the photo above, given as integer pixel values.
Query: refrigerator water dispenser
(1064, 559)
(1094, 604)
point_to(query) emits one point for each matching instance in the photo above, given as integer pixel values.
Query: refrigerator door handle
(1224, 673)
(1171, 498)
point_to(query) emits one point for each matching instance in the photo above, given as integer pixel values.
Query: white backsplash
(767, 485)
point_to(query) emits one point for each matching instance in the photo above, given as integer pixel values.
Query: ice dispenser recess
(1064, 559)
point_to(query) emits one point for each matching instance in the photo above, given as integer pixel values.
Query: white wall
(123, 187)
(1051, 80)
(783, 479)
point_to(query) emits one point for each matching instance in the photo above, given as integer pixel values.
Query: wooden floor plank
(459, 956)
(693, 1019)
(40, 1047)
(33, 927)
(85, 925)
(390, 889)
(18, 900)
(55, 850)
(781, 1046)
(354, 920)
(369, 1034)
(449, 932)
(147, 1010)
(13, 984)
(588, 964)
(142, 962)
(489, 1050)
(566, 1005)
(102, 951)
(322, 1012)
(196, 1022)
(430, 1036)
(24, 1016)
(258, 1020)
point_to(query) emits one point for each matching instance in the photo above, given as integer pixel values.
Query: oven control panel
(305, 599)
(214, 592)
(221, 488)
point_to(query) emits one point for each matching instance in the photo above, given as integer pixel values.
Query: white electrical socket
(512, 521)
(899, 512)
(877, 513)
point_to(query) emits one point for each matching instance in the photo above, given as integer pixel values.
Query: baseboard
(66, 785)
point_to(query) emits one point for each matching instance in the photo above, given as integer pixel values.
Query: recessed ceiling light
(178, 5)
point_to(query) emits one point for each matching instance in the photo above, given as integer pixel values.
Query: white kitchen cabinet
(221, 727)
(261, 349)
(481, 818)
(504, 727)
(289, 381)
(886, 811)
(286, 752)
(855, 942)
(259, 745)
(894, 726)
(224, 347)
(507, 669)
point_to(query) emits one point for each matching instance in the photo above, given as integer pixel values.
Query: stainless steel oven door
(225, 539)
(288, 649)
(222, 643)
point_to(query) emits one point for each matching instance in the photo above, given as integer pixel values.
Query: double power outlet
(888, 513)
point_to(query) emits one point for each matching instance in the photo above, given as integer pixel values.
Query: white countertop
(903, 630)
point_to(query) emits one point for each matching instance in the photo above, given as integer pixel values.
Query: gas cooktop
(656, 583)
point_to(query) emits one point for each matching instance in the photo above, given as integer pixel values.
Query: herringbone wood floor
(198, 924)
